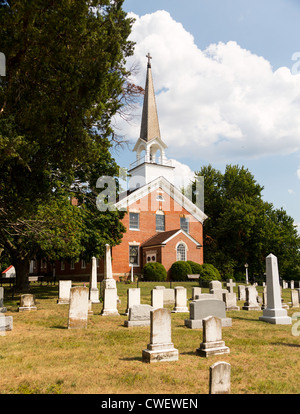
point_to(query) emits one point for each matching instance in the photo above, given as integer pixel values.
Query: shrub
(155, 272)
(195, 267)
(208, 273)
(180, 270)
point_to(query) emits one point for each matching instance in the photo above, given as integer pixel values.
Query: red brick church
(162, 224)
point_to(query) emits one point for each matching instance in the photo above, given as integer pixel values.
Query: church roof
(165, 236)
(149, 125)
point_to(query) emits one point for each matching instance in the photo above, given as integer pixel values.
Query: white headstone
(110, 299)
(295, 298)
(196, 291)
(157, 298)
(180, 300)
(160, 347)
(94, 291)
(230, 285)
(219, 378)
(230, 301)
(27, 303)
(64, 287)
(215, 288)
(274, 313)
(251, 299)
(133, 298)
(139, 315)
(212, 338)
(242, 292)
(78, 308)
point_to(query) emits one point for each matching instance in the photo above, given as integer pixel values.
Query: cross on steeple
(149, 57)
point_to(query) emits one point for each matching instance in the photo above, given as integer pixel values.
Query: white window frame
(181, 243)
(134, 228)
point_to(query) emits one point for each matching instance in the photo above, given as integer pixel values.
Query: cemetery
(143, 346)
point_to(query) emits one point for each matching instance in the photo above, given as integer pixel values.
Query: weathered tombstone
(27, 303)
(212, 338)
(219, 378)
(133, 298)
(230, 285)
(196, 291)
(230, 301)
(292, 285)
(2, 307)
(160, 347)
(242, 292)
(64, 287)
(109, 287)
(215, 287)
(295, 298)
(78, 307)
(201, 309)
(274, 313)
(251, 299)
(6, 324)
(139, 315)
(94, 291)
(90, 310)
(169, 296)
(157, 298)
(180, 300)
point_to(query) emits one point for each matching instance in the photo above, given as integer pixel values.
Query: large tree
(243, 228)
(65, 79)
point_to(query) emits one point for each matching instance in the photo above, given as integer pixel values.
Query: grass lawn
(41, 356)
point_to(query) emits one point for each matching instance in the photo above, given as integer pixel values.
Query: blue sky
(239, 103)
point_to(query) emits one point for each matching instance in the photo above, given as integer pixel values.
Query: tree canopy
(243, 228)
(65, 79)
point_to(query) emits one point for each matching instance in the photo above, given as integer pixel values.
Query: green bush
(208, 273)
(155, 272)
(180, 270)
(195, 267)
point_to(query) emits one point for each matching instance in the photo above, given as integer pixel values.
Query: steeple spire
(150, 125)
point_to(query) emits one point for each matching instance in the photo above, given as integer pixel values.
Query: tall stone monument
(94, 291)
(109, 287)
(274, 313)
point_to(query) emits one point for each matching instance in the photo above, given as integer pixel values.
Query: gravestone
(219, 378)
(274, 313)
(230, 285)
(133, 298)
(157, 298)
(109, 287)
(93, 290)
(242, 292)
(2, 307)
(292, 285)
(169, 296)
(160, 347)
(264, 298)
(295, 298)
(139, 315)
(64, 287)
(6, 324)
(27, 303)
(196, 291)
(180, 300)
(202, 308)
(251, 299)
(212, 338)
(78, 307)
(90, 309)
(230, 302)
(215, 287)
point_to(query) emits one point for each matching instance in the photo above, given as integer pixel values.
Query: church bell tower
(151, 161)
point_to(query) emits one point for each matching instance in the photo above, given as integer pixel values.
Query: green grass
(42, 356)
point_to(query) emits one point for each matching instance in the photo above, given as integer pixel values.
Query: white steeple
(150, 149)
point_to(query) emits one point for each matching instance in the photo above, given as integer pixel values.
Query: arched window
(160, 221)
(181, 252)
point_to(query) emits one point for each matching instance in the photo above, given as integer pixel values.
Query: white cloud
(298, 173)
(182, 173)
(290, 191)
(214, 103)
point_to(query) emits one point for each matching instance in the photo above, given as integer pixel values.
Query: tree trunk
(22, 272)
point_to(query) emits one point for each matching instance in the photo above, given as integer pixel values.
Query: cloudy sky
(227, 82)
